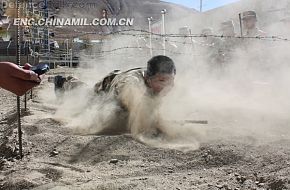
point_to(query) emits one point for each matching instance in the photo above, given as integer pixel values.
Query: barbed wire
(105, 53)
(135, 47)
(156, 37)
(148, 33)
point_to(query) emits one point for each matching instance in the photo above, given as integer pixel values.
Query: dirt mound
(222, 155)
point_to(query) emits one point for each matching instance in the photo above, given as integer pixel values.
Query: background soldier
(249, 19)
(254, 48)
(211, 49)
(228, 43)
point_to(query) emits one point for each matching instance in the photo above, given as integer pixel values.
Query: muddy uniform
(124, 102)
(128, 89)
(114, 82)
(110, 87)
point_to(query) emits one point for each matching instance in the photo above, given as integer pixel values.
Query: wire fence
(145, 33)
(189, 40)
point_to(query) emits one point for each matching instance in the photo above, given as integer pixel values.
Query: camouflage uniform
(254, 48)
(118, 88)
(129, 101)
(250, 33)
(116, 80)
(129, 90)
(112, 84)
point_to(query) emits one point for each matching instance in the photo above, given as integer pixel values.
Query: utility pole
(200, 7)
(46, 32)
(241, 25)
(150, 35)
(31, 12)
(71, 58)
(163, 12)
(66, 54)
(27, 61)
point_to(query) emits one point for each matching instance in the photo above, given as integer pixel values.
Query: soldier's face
(161, 83)
(250, 23)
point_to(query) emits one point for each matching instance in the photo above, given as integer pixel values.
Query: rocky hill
(140, 10)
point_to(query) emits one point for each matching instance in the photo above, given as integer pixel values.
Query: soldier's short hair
(160, 64)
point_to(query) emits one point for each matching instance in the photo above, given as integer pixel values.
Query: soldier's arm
(141, 108)
(144, 116)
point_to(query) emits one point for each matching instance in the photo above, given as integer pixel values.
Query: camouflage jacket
(116, 80)
(137, 105)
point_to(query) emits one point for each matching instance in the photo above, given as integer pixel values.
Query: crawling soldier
(138, 93)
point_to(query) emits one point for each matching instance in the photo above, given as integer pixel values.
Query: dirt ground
(55, 158)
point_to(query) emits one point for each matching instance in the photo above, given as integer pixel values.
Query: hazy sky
(207, 4)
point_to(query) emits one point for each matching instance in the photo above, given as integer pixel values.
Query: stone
(219, 186)
(114, 161)
(54, 153)
(261, 184)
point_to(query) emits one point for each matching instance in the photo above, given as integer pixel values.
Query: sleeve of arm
(144, 113)
(142, 108)
(130, 93)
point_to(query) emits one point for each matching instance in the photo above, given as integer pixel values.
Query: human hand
(27, 66)
(18, 80)
(34, 77)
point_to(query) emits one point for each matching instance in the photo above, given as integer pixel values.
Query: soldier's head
(206, 31)
(160, 74)
(228, 28)
(249, 19)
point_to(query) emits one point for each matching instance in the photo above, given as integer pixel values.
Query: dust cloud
(247, 97)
